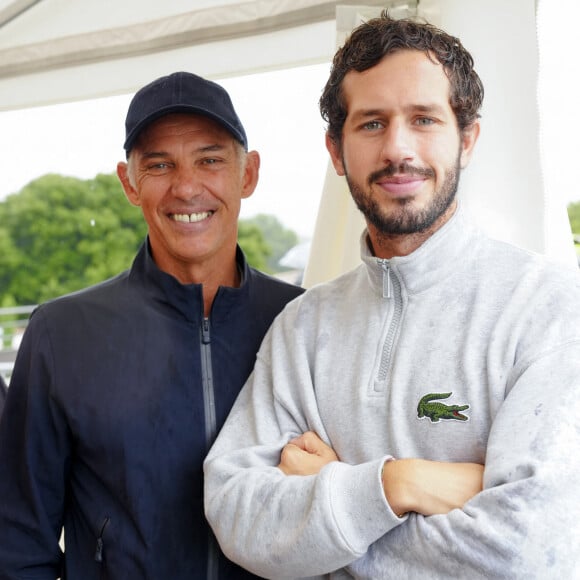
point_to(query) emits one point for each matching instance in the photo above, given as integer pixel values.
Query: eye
(424, 121)
(372, 125)
(157, 168)
(211, 162)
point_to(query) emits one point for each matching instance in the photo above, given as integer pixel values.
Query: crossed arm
(409, 485)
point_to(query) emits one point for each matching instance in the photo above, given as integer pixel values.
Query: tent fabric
(49, 36)
(185, 29)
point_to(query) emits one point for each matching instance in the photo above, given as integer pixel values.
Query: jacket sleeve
(280, 526)
(34, 451)
(526, 521)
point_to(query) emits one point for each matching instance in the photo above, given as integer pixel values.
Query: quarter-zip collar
(429, 264)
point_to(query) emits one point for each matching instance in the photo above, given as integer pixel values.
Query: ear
(251, 173)
(130, 192)
(335, 151)
(469, 137)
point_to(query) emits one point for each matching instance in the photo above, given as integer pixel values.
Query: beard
(404, 219)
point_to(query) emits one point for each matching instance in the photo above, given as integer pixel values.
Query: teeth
(191, 217)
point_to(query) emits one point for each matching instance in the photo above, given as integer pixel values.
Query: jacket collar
(429, 264)
(165, 289)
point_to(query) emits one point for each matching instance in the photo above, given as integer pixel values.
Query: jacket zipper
(99, 549)
(210, 428)
(392, 291)
(207, 380)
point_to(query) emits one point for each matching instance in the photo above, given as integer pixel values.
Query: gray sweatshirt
(468, 350)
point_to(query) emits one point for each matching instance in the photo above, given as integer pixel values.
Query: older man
(119, 390)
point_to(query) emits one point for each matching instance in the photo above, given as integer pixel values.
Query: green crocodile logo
(437, 411)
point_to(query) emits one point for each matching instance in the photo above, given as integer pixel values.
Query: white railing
(13, 322)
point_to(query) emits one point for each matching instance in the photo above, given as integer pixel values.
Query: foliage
(256, 249)
(574, 216)
(277, 236)
(60, 234)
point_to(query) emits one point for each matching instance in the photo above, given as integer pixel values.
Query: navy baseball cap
(181, 92)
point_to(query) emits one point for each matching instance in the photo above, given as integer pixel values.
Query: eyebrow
(209, 148)
(154, 154)
(429, 108)
(419, 108)
(366, 113)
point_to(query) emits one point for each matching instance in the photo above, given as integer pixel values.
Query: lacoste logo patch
(430, 408)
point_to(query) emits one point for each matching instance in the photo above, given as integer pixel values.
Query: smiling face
(188, 174)
(401, 149)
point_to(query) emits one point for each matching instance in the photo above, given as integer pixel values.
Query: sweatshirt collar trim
(429, 264)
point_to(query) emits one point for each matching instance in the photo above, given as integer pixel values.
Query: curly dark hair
(376, 38)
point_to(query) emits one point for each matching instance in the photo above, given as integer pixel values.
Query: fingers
(289, 459)
(307, 441)
(311, 443)
(292, 454)
(306, 455)
(296, 461)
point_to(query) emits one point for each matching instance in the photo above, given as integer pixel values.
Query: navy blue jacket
(117, 393)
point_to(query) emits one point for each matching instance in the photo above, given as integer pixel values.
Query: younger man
(444, 349)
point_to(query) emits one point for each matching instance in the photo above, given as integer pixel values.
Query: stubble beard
(405, 220)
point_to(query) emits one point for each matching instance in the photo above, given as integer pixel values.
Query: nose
(397, 147)
(185, 182)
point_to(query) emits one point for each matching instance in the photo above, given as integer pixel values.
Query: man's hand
(430, 487)
(306, 455)
(410, 485)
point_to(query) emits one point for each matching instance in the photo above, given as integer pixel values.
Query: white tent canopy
(54, 51)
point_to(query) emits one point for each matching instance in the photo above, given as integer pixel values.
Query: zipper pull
(387, 283)
(99, 549)
(205, 331)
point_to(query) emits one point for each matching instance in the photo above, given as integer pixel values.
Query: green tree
(255, 247)
(574, 216)
(279, 238)
(60, 234)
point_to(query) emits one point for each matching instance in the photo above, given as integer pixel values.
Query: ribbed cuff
(360, 508)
